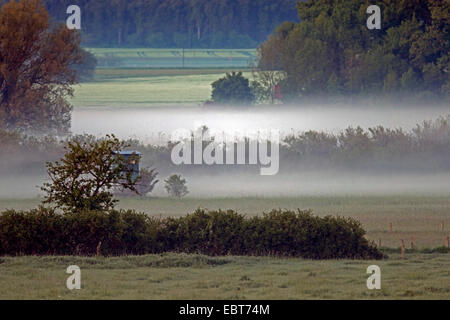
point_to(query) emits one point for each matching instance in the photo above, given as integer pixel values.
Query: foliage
(264, 84)
(175, 186)
(35, 68)
(43, 231)
(90, 169)
(425, 148)
(176, 23)
(86, 70)
(331, 51)
(232, 89)
(280, 233)
(375, 148)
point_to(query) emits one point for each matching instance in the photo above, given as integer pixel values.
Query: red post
(403, 249)
(390, 227)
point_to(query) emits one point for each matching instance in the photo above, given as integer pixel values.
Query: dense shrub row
(426, 147)
(282, 233)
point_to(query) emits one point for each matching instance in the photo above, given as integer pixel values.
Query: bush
(290, 233)
(42, 231)
(232, 89)
(212, 233)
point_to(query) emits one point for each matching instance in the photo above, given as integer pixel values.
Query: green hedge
(43, 231)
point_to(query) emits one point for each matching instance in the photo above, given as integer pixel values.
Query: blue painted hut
(132, 158)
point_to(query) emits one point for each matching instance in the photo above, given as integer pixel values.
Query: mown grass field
(179, 276)
(147, 87)
(172, 58)
(170, 52)
(419, 217)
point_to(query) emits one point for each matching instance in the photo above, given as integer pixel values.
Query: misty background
(413, 160)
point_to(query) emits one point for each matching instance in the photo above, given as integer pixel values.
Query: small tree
(232, 89)
(85, 177)
(176, 186)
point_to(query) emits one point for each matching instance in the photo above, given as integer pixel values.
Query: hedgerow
(44, 231)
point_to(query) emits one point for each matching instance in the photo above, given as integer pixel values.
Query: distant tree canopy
(232, 89)
(36, 69)
(332, 52)
(175, 23)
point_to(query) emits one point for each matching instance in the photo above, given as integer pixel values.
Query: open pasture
(180, 276)
(147, 87)
(173, 58)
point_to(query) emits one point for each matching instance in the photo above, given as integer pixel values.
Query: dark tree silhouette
(36, 71)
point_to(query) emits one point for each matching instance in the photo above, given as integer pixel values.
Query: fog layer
(155, 124)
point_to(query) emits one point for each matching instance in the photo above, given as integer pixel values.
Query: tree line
(378, 149)
(331, 52)
(176, 23)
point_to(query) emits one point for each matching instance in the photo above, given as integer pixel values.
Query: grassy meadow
(179, 276)
(100, 53)
(147, 87)
(172, 58)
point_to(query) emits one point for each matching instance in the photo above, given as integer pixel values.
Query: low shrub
(43, 231)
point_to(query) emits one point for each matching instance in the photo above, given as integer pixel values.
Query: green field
(147, 87)
(179, 276)
(170, 52)
(149, 77)
(173, 58)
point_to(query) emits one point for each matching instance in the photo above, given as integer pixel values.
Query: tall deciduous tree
(331, 51)
(36, 71)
